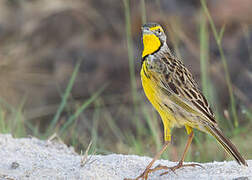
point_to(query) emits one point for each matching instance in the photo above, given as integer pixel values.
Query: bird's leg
(180, 164)
(147, 170)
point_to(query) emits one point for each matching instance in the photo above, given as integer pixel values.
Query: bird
(175, 95)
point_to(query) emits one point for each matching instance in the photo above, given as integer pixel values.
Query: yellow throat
(151, 44)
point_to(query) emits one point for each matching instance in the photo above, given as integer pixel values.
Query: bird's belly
(154, 95)
(171, 114)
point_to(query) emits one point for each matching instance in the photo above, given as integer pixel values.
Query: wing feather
(185, 91)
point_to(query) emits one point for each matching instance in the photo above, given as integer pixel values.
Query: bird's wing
(186, 94)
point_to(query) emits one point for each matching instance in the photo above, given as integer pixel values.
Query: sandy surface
(30, 158)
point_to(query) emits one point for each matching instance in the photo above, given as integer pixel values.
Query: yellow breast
(150, 87)
(154, 94)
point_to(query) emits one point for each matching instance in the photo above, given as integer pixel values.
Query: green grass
(131, 63)
(15, 122)
(218, 39)
(64, 100)
(12, 120)
(143, 12)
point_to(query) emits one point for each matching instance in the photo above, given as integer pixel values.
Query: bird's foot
(173, 168)
(144, 175)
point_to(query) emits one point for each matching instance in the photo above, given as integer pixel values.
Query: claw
(144, 175)
(178, 166)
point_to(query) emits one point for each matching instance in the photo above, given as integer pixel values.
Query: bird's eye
(159, 31)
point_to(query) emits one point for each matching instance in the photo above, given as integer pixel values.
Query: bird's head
(153, 37)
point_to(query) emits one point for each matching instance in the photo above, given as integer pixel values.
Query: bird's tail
(226, 144)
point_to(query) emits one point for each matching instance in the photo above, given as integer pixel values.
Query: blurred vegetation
(72, 68)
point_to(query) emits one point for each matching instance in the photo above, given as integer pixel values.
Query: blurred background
(72, 68)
